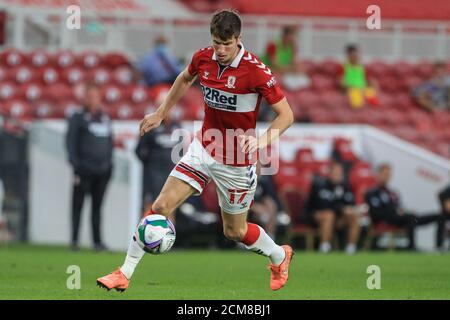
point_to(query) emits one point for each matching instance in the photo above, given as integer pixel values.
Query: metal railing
(318, 38)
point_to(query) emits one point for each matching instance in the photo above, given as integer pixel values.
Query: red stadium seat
(323, 83)
(32, 92)
(304, 157)
(68, 108)
(122, 111)
(22, 74)
(145, 108)
(410, 82)
(308, 98)
(378, 69)
(123, 75)
(402, 69)
(74, 75)
(403, 101)
(295, 200)
(389, 83)
(18, 109)
(101, 76)
(12, 58)
(89, 60)
(43, 109)
(59, 92)
(64, 59)
(139, 94)
(333, 99)
(330, 68)
(4, 75)
(48, 75)
(343, 147)
(424, 70)
(115, 60)
(39, 58)
(111, 94)
(209, 198)
(8, 90)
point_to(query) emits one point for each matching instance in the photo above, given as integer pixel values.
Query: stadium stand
(400, 9)
(44, 84)
(31, 77)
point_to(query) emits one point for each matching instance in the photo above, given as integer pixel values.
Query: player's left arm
(282, 121)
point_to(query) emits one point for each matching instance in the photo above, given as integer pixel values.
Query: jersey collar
(238, 58)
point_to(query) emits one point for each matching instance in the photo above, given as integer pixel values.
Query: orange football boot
(280, 274)
(115, 280)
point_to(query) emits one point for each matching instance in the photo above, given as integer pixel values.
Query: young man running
(233, 82)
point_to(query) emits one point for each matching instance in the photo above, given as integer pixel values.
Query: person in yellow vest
(360, 90)
(280, 57)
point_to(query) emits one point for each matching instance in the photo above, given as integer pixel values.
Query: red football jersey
(232, 98)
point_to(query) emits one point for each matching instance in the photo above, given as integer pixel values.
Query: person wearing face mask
(89, 143)
(159, 66)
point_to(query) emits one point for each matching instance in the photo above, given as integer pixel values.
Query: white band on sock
(266, 246)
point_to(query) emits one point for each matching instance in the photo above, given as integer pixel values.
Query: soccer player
(233, 82)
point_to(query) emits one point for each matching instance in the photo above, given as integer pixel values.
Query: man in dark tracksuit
(384, 206)
(89, 144)
(444, 200)
(154, 149)
(331, 205)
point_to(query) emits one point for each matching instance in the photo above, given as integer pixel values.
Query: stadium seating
(30, 77)
(399, 9)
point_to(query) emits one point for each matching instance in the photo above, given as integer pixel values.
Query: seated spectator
(444, 200)
(280, 56)
(434, 94)
(360, 89)
(385, 206)
(331, 204)
(159, 65)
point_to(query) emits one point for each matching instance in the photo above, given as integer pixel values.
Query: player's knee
(234, 234)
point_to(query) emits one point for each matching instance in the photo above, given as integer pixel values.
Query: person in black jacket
(89, 143)
(332, 204)
(154, 149)
(444, 200)
(385, 206)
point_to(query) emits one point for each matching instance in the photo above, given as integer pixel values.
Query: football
(155, 234)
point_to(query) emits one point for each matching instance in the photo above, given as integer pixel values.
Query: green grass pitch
(39, 272)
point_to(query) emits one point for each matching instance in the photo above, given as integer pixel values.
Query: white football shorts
(235, 185)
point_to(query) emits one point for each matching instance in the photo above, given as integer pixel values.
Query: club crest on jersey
(230, 82)
(205, 75)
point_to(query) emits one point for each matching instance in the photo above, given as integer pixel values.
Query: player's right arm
(178, 89)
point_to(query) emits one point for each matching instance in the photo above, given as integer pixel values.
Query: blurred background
(368, 99)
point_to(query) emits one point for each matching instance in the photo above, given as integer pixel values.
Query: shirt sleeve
(72, 140)
(265, 83)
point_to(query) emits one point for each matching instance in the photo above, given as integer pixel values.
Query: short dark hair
(226, 24)
(350, 48)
